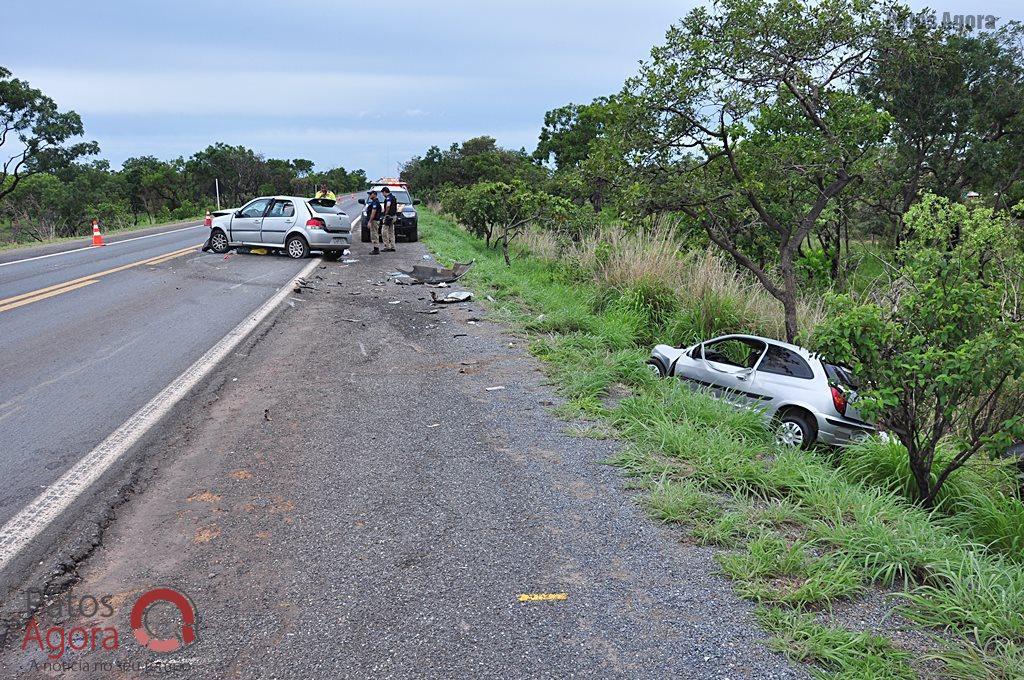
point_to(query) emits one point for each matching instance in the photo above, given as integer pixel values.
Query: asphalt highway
(90, 335)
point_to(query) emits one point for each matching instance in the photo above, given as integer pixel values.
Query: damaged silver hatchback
(805, 398)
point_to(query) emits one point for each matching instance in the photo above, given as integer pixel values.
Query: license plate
(337, 240)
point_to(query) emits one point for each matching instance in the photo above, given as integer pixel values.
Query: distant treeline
(48, 190)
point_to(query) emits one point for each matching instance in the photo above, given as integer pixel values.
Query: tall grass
(978, 501)
(713, 296)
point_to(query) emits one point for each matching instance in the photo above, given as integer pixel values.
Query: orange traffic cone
(97, 237)
(208, 222)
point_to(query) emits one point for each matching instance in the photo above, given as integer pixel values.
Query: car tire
(657, 370)
(219, 242)
(795, 429)
(364, 232)
(332, 255)
(413, 235)
(296, 247)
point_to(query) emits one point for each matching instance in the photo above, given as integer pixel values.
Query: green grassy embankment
(805, 535)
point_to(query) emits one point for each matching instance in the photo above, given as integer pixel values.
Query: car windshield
(402, 197)
(840, 375)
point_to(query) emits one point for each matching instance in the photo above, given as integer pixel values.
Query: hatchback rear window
(840, 375)
(782, 361)
(325, 209)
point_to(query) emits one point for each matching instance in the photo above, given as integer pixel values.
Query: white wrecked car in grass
(804, 397)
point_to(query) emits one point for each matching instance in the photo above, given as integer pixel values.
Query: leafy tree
(501, 212)
(569, 131)
(34, 209)
(153, 185)
(747, 121)
(940, 355)
(567, 137)
(476, 160)
(956, 100)
(240, 171)
(34, 135)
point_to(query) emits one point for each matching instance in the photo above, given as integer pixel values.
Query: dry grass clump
(717, 296)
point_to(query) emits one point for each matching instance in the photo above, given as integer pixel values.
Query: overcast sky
(340, 83)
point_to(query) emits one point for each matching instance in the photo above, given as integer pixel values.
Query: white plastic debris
(496, 388)
(452, 297)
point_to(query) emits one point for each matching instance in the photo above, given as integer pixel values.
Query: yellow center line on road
(37, 298)
(58, 288)
(167, 258)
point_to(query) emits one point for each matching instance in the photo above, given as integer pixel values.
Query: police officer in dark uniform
(373, 213)
(390, 208)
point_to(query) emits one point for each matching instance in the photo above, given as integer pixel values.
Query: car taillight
(316, 223)
(838, 399)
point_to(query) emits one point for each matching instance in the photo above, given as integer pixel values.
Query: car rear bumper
(325, 240)
(842, 432)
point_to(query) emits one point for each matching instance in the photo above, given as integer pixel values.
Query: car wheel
(332, 255)
(297, 247)
(413, 235)
(364, 233)
(656, 369)
(794, 430)
(219, 242)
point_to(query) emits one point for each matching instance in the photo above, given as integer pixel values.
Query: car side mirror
(238, 214)
(362, 201)
(416, 201)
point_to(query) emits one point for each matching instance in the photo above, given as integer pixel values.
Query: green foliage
(956, 99)
(37, 137)
(939, 358)
(747, 120)
(476, 160)
(499, 212)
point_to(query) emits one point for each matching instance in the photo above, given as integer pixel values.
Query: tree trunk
(922, 476)
(789, 296)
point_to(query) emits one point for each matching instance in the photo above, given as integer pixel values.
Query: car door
(278, 221)
(247, 222)
(727, 365)
(783, 375)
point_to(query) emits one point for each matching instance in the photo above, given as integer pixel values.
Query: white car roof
(802, 351)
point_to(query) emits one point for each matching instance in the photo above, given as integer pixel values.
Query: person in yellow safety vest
(325, 193)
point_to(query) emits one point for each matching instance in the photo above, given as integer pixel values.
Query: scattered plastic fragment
(496, 388)
(453, 297)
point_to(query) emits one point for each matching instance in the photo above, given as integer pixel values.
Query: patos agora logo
(58, 638)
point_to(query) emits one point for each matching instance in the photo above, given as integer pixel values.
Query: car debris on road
(452, 297)
(435, 275)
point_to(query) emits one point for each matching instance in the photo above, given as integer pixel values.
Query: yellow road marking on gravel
(58, 288)
(37, 298)
(543, 597)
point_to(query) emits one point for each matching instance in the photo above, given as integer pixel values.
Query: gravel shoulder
(353, 501)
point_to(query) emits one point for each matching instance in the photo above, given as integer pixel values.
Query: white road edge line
(33, 519)
(112, 243)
